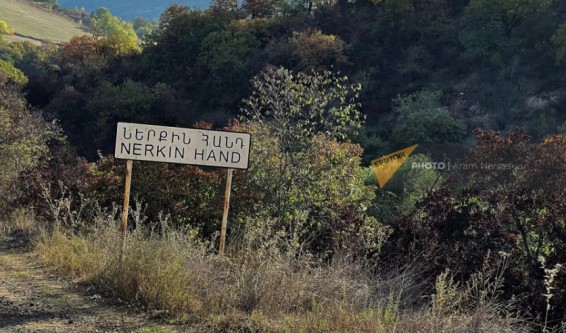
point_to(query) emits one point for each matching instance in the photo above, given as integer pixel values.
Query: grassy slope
(29, 20)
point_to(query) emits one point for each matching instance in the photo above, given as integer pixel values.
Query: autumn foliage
(518, 215)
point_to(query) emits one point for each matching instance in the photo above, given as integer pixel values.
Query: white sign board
(182, 145)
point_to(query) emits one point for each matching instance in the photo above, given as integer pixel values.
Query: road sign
(182, 145)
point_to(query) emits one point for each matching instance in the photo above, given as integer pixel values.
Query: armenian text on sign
(182, 145)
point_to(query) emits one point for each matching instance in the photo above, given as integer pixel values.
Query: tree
(103, 22)
(84, 58)
(224, 8)
(312, 184)
(143, 27)
(259, 8)
(559, 41)
(118, 38)
(4, 29)
(397, 24)
(311, 200)
(223, 63)
(316, 50)
(122, 42)
(491, 27)
(297, 106)
(129, 101)
(226, 50)
(173, 48)
(423, 119)
(23, 138)
(9, 73)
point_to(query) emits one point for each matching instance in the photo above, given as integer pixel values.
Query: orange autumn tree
(84, 58)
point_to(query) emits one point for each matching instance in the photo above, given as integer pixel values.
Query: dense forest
(324, 87)
(488, 64)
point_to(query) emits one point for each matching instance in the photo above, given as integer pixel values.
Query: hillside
(35, 22)
(130, 9)
(407, 165)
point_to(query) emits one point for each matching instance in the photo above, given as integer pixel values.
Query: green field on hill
(36, 22)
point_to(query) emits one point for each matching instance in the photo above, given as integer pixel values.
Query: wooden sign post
(226, 208)
(142, 142)
(125, 208)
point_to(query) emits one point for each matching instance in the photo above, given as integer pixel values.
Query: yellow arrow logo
(385, 167)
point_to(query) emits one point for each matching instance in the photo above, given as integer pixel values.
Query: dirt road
(34, 299)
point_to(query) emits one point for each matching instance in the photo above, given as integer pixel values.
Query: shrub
(4, 29)
(314, 49)
(191, 195)
(11, 74)
(406, 188)
(423, 119)
(516, 213)
(23, 139)
(316, 198)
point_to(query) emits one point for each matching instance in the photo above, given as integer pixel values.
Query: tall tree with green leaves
(118, 37)
(492, 26)
(296, 106)
(311, 181)
(423, 119)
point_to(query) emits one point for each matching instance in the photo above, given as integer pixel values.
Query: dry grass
(19, 228)
(259, 292)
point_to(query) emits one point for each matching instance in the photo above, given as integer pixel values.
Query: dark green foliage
(493, 27)
(406, 188)
(559, 40)
(423, 119)
(143, 27)
(394, 48)
(495, 214)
